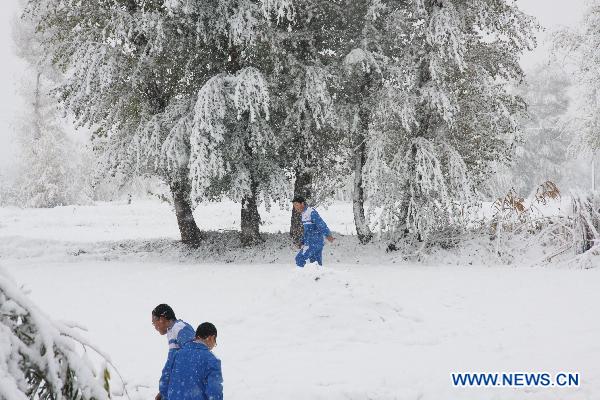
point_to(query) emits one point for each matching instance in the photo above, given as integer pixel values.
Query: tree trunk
(190, 234)
(423, 129)
(404, 207)
(360, 158)
(250, 221)
(37, 134)
(302, 187)
(358, 197)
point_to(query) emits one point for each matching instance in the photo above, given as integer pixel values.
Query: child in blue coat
(196, 371)
(315, 229)
(179, 334)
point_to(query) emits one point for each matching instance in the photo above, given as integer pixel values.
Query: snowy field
(367, 326)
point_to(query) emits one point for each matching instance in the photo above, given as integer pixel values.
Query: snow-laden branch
(39, 357)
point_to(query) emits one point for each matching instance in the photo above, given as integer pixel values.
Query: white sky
(551, 14)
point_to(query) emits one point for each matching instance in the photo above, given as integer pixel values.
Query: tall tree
(443, 112)
(234, 144)
(360, 78)
(116, 57)
(582, 46)
(51, 170)
(139, 71)
(543, 153)
(325, 112)
(303, 112)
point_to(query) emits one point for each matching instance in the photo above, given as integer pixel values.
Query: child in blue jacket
(179, 334)
(314, 231)
(196, 371)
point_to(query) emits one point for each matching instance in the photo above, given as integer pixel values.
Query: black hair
(164, 310)
(298, 199)
(205, 330)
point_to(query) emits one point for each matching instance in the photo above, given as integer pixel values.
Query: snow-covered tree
(302, 80)
(321, 95)
(310, 149)
(40, 358)
(142, 73)
(582, 47)
(443, 112)
(52, 169)
(233, 146)
(233, 143)
(543, 155)
(117, 58)
(361, 68)
(7, 189)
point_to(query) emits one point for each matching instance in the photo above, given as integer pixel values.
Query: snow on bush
(530, 226)
(40, 358)
(586, 229)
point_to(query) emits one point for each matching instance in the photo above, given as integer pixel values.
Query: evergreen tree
(543, 155)
(52, 170)
(233, 146)
(443, 112)
(233, 143)
(361, 72)
(302, 75)
(323, 101)
(582, 46)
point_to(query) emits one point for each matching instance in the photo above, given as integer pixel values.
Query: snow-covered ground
(367, 326)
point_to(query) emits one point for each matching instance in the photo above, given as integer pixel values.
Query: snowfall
(368, 325)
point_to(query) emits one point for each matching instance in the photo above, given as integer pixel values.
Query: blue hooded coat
(179, 335)
(315, 229)
(196, 374)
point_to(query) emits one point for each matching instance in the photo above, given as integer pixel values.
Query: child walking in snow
(178, 333)
(314, 231)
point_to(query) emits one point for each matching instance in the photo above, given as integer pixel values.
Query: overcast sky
(551, 14)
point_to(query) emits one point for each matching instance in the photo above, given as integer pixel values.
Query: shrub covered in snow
(40, 358)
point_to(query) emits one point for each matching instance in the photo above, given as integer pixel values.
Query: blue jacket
(314, 228)
(179, 335)
(196, 374)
